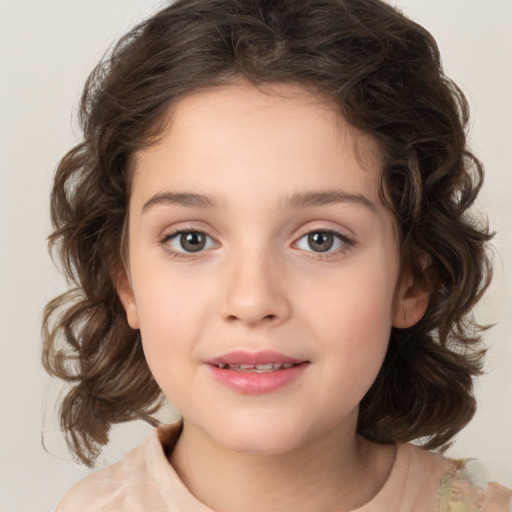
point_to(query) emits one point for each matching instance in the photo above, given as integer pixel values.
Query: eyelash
(181, 255)
(346, 242)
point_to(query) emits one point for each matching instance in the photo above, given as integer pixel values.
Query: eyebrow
(187, 199)
(296, 200)
(326, 197)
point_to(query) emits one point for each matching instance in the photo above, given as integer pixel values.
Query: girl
(267, 223)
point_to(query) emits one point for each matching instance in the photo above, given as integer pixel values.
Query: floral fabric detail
(461, 493)
(459, 496)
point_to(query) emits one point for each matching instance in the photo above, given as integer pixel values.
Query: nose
(255, 292)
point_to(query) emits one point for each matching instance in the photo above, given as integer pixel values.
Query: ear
(411, 303)
(127, 298)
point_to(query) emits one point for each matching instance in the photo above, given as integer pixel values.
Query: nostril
(252, 310)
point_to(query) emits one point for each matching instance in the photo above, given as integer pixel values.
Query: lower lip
(252, 383)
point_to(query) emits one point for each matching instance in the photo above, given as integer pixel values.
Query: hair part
(383, 72)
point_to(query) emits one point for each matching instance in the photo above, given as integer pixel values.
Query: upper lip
(253, 358)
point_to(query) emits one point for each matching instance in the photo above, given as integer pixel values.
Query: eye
(323, 241)
(188, 241)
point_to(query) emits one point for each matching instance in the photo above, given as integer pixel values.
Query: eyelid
(347, 241)
(182, 254)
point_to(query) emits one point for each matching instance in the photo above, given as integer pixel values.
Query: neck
(334, 472)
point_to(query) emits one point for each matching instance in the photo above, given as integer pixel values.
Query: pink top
(419, 481)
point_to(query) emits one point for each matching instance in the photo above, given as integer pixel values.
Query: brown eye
(324, 241)
(188, 242)
(192, 241)
(320, 241)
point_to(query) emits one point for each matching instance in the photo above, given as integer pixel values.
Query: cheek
(359, 298)
(166, 341)
(353, 321)
(171, 310)
(167, 301)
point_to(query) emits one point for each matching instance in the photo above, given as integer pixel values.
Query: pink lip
(262, 357)
(251, 383)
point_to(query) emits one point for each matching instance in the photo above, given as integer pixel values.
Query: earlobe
(127, 298)
(411, 304)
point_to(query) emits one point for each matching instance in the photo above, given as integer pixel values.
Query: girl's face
(257, 237)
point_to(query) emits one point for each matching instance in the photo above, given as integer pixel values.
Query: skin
(259, 284)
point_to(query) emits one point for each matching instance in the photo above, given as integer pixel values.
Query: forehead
(281, 135)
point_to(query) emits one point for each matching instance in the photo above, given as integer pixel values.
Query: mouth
(266, 361)
(256, 368)
(256, 373)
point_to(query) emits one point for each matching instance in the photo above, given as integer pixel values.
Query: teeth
(256, 368)
(268, 366)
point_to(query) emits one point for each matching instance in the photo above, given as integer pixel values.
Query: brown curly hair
(383, 72)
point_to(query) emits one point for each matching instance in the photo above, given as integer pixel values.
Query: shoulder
(466, 490)
(91, 491)
(131, 484)
(458, 485)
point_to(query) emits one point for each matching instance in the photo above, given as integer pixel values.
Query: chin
(261, 444)
(264, 437)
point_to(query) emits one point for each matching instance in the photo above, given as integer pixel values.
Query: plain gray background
(47, 49)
